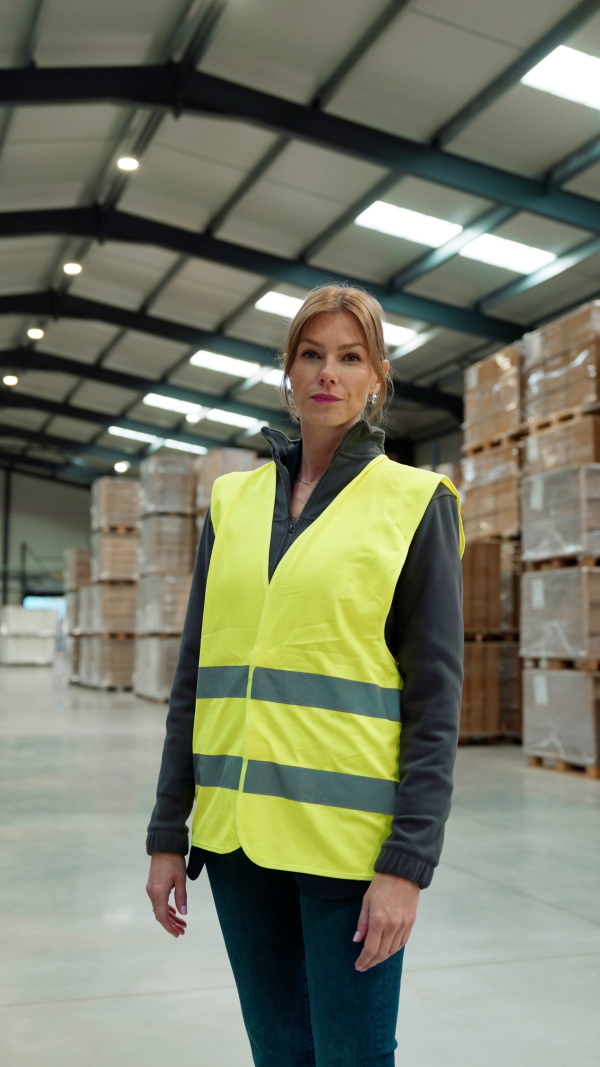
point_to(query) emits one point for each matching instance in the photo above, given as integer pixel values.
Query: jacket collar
(361, 442)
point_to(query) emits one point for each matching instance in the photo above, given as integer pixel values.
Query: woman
(325, 607)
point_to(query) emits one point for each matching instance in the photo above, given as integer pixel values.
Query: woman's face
(331, 375)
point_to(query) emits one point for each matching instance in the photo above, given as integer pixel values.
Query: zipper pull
(291, 528)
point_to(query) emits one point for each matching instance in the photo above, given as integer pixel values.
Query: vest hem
(301, 869)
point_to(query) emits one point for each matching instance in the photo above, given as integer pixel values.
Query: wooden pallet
(501, 440)
(560, 562)
(107, 688)
(551, 663)
(479, 739)
(117, 530)
(564, 767)
(477, 637)
(550, 422)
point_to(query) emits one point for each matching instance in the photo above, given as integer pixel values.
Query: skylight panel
(231, 418)
(412, 225)
(170, 403)
(569, 73)
(134, 435)
(241, 368)
(396, 335)
(512, 255)
(279, 304)
(183, 446)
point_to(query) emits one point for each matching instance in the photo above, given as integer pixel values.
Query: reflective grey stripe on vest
(321, 787)
(216, 682)
(223, 771)
(323, 691)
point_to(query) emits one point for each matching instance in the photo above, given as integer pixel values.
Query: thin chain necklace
(299, 479)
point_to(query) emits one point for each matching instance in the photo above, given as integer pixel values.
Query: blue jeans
(292, 955)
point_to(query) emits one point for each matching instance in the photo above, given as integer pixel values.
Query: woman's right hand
(167, 872)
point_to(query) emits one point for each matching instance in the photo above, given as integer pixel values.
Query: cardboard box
(493, 397)
(561, 715)
(560, 614)
(561, 383)
(510, 585)
(568, 444)
(481, 587)
(115, 556)
(576, 330)
(480, 712)
(107, 662)
(17, 621)
(509, 685)
(214, 464)
(115, 502)
(155, 666)
(85, 616)
(162, 603)
(113, 609)
(168, 484)
(168, 544)
(561, 513)
(492, 510)
(77, 568)
(490, 466)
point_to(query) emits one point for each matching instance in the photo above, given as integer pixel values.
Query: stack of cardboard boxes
(77, 573)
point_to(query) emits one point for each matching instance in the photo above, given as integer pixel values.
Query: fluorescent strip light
(511, 255)
(184, 447)
(133, 435)
(412, 225)
(396, 335)
(568, 73)
(170, 403)
(231, 418)
(241, 368)
(279, 304)
(274, 377)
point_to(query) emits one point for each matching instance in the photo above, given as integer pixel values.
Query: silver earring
(372, 399)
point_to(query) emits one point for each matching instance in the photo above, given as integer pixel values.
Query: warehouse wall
(444, 449)
(50, 516)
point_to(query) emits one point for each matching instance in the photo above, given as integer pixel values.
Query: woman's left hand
(386, 919)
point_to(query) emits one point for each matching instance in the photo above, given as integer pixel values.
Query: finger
(362, 925)
(399, 941)
(177, 921)
(181, 894)
(162, 916)
(370, 947)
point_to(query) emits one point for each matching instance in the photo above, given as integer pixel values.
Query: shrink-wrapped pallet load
(167, 544)
(569, 443)
(510, 587)
(115, 556)
(561, 716)
(493, 397)
(561, 513)
(168, 484)
(107, 662)
(72, 650)
(113, 608)
(85, 623)
(115, 503)
(481, 587)
(509, 687)
(77, 568)
(162, 603)
(561, 365)
(560, 614)
(155, 663)
(491, 486)
(27, 636)
(72, 612)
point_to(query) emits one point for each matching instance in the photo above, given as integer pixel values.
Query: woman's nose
(327, 372)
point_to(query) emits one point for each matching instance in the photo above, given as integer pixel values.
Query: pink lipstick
(325, 398)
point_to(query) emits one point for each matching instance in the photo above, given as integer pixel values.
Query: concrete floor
(503, 966)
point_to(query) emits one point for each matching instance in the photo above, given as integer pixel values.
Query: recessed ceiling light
(411, 225)
(231, 418)
(72, 268)
(10, 379)
(193, 416)
(396, 335)
(128, 163)
(569, 73)
(122, 466)
(279, 304)
(200, 450)
(134, 435)
(35, 333)
(240, 368)
(512, 255)
(170, 403)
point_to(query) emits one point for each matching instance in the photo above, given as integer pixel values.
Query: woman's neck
(318, 446)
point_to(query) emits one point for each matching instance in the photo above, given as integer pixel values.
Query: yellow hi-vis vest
(297, 725)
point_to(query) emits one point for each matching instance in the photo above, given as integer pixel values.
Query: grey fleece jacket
(424, 633)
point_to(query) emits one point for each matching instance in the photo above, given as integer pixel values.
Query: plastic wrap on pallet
(167, 544)
(561, 715)
(162, 603)
(107, 662)
(72, 612)
(17, 621)
(115, 502)
(509, 689)
(27, 650)
(561, 513)
(155, 665)
(114, 609)
(168, 484)
(72, 648)
(480, 712)
(481, 587)
(560, 614)
(216, 462)
(492, 510)
(491, 465)
(77, 568)
(86, 661)
(510, 586)
(576, 330)
(115, 556)
(493, 396)
(568, 444)
(85, 620)
(562, 383)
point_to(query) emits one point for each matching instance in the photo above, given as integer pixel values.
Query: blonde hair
(369, 313)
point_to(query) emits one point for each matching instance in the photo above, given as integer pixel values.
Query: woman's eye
(352, 356)
(309, 354)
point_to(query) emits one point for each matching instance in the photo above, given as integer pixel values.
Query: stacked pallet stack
(107, 606)
(491, 482)
(27, 636)
(77, 573)
(215, 463)
(560, 595)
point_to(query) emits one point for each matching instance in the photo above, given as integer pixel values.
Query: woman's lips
(325, 398)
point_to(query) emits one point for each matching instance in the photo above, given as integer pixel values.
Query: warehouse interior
(175, 177)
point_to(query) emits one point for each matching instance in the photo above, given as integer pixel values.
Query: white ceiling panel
(28, 418)
(547, 299)
(121, 444)
(366, 254)
(590, 268)
(158, 417)
(76, 338)
(418, 74)
(109, 399)
(64, 123)
(72, 428)
(121, 274)
(275, 218)
(50, 174)
(542, 233)
(25, 262)
(111, 33)
(324, 173)
(47, 384)
(436, 200)
(140, 353)
(290, 48)
(461, 281)
(11, 444)
(11, 328)
(424, 360)
(527, 131)
(267, 397)
(203, 293)
(207, 381)
(262, 327)
(587, 183)
(15, 20)
(519, 23)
